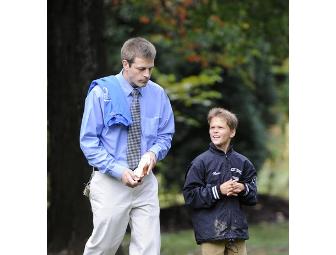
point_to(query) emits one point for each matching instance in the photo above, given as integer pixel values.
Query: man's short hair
(230, 118)
(137, 47)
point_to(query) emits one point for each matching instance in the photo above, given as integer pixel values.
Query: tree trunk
(75, 57)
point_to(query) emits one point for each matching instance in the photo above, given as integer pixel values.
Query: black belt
(96, 169)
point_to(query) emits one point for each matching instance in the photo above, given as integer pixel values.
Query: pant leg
(111, 205)
(145, 221)
(213, 248)
(236, 248)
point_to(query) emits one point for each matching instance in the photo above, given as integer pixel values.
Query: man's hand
(231, 188)
(152, 162)
(146, 164)
(130, 179)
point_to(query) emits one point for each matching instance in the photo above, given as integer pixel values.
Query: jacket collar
(214, 149)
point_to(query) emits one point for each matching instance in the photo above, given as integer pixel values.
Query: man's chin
(141, 84)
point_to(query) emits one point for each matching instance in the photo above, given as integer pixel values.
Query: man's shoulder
(97, 91)
(99, 85)
(154, 86)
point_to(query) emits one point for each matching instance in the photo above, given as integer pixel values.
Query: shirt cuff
(155, 149)
(116, 172)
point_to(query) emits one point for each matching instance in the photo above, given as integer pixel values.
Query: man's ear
(233, 133)
(125, 64)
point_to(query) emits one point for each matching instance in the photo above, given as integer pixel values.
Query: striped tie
(134, 133)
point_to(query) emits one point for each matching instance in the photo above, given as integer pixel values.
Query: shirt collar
(126, 87)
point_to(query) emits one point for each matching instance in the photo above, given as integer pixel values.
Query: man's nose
(147, 73)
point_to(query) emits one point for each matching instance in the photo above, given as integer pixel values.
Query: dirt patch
(268, 209)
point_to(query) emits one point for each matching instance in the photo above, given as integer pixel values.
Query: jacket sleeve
(197, 193)
(249, 179)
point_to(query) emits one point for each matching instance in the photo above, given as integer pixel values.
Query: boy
(218, 182)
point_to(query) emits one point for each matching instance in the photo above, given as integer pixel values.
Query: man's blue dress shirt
(105, 147)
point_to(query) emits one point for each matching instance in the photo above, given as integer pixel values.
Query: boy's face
(139, 72)
(220, 133)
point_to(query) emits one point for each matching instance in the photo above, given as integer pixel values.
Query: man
(126, 117)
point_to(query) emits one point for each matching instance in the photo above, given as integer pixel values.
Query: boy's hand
(237, 187)
(231, 188)
(226, 188)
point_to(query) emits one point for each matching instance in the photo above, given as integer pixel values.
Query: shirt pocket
(150, 127)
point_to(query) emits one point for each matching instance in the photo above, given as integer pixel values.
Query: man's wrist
(118, 171)
(153, 153)
(156, 150)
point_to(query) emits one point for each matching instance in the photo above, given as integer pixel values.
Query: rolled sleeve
(91, 128)
(166, 129)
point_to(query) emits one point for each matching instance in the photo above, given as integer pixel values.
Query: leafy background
(232, 54)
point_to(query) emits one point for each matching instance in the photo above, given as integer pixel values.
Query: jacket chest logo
(236, 170)
(215, 173)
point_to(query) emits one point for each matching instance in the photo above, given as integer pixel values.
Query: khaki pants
(224, 247)
(114, 206)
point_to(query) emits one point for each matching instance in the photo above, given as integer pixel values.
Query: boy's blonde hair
(230, 118)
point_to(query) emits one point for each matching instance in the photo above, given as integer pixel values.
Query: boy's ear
(233, 133)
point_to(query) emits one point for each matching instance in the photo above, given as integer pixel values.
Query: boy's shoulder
(240, 157)
(203, 156)
(201, 160)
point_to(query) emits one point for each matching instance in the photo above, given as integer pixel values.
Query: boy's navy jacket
(216, 216)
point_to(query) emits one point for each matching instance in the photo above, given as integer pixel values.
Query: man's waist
(96, 169)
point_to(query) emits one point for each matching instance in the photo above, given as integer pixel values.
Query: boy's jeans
(224, 247)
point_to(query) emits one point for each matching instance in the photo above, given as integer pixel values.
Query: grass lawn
(268, 239)
(265, 239)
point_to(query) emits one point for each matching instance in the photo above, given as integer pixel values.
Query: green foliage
(211, 53)
(274, 176)
(190, 91)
